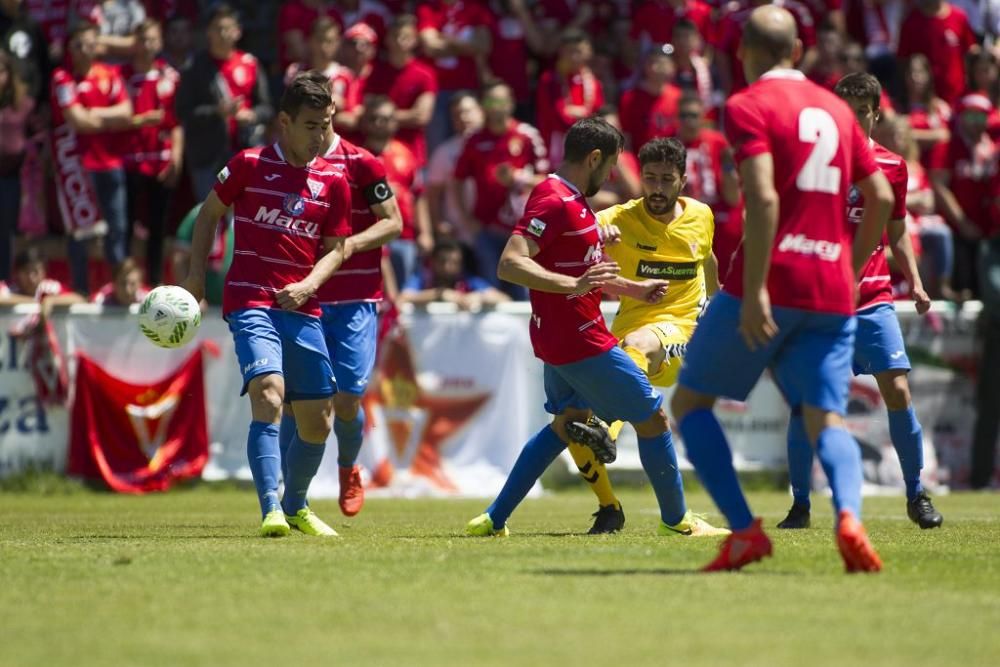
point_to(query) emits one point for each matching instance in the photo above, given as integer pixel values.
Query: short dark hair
(860, 86)
(147, 23)
(589, 134)
(442, 246)
(459, 96)
(221, 11)
(492, 85)
(373, 102)
(664, 150)
(308, 89)
(403, 21)
(80, 27)
(323, 24)
(685, 24)
(27, 256)
(573, 36)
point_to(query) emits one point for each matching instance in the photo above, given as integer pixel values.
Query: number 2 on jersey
(817, 127)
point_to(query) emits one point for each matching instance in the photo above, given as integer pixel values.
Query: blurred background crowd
(121, 112)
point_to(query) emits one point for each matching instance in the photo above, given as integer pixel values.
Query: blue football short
(610, 384)
(878, 344)
(810, 356)
(351, 330)
(291, 344)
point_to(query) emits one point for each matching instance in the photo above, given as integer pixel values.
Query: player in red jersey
(797, 160)
(292, 218)
(349, 302)
(556, 251)
(878, 344)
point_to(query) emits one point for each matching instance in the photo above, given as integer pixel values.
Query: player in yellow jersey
(665, 236)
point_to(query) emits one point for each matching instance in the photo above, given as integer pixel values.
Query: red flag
(139, 437)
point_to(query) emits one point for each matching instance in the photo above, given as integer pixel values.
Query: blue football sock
(659, 460)
(840, 455)
(536, 456)
(800, 459)
(303, 462)
(263, 456)
(285, 436)
(908, 439)
(709, 453)
(349, 434)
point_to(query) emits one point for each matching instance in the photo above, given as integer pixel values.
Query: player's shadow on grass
(633, 571)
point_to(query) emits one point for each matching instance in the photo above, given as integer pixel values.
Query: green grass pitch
(180, 579)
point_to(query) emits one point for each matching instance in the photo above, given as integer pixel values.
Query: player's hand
(921, 301)
(653, 290)
(610, 234)
(196, 289)
(756, 324)
(293, 295)
(504, 173)
(246, 117)
(595, 276)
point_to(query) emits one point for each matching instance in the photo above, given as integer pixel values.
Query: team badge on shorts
(294, 205)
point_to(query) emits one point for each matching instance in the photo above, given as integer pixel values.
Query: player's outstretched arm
(201, 243)
(387, 227)
(517, 266)
(902, 251)
(648, 291)
(878, 205)
(711, 266)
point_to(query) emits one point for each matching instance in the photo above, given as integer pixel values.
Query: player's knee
(267, 393)
(646, 342)
(315, 428)
(895, 392)
(346, 406)
(657, 423)
(817, 420)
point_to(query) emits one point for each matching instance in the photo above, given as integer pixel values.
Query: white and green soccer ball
(169, 316)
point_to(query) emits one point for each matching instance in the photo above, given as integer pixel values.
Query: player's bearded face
(661, 186)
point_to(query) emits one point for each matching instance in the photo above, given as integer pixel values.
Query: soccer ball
(169, 316)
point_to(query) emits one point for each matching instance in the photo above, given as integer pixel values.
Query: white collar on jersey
(277, 149)
(568, 184)
(782, 73)
(334, 145)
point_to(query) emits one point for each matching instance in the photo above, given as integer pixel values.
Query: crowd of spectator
(116, 115)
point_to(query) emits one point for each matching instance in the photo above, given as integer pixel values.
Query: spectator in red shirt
(941, 32)
(568, 92)
(90, 97)
(649, 110)
(505, 160)
(125, 288)
(378, 127)
(372, 13)
(322, 48)
(409, 83)
(295, 20)
(829, 66)
(155, 148)
(963, 172)
(514, 32)
(223, 101)
(454, 34)
(984, 78)
(712, 177)
(929, 115)
(693, 70)
(31, 284)
(653, 23)
(16, 106)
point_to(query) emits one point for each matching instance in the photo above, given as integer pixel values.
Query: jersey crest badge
(315, 188)
(294, 205)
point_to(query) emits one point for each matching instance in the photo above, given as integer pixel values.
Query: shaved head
(771, 31)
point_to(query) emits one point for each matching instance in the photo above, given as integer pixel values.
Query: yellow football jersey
(674, 252)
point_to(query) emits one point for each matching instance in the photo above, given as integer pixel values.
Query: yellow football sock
(594, 472)
(638, 357)
(614, 428)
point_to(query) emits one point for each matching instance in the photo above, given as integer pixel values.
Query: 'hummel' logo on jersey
(271, 177)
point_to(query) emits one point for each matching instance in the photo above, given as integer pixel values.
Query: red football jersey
(555, 93)
(645, 116)
(281, 214)
(564, 327)
(148, 149)
(944, 39)
(404, 86)
(519, 147)
(370, 12)
(876, 285)
(973, 169)
(730, 33)
(457, 19)
(402, 172)
(360, 278)
(508, 58)
(237, 79)
(101, 87)
(818, 150)
(653, 22)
